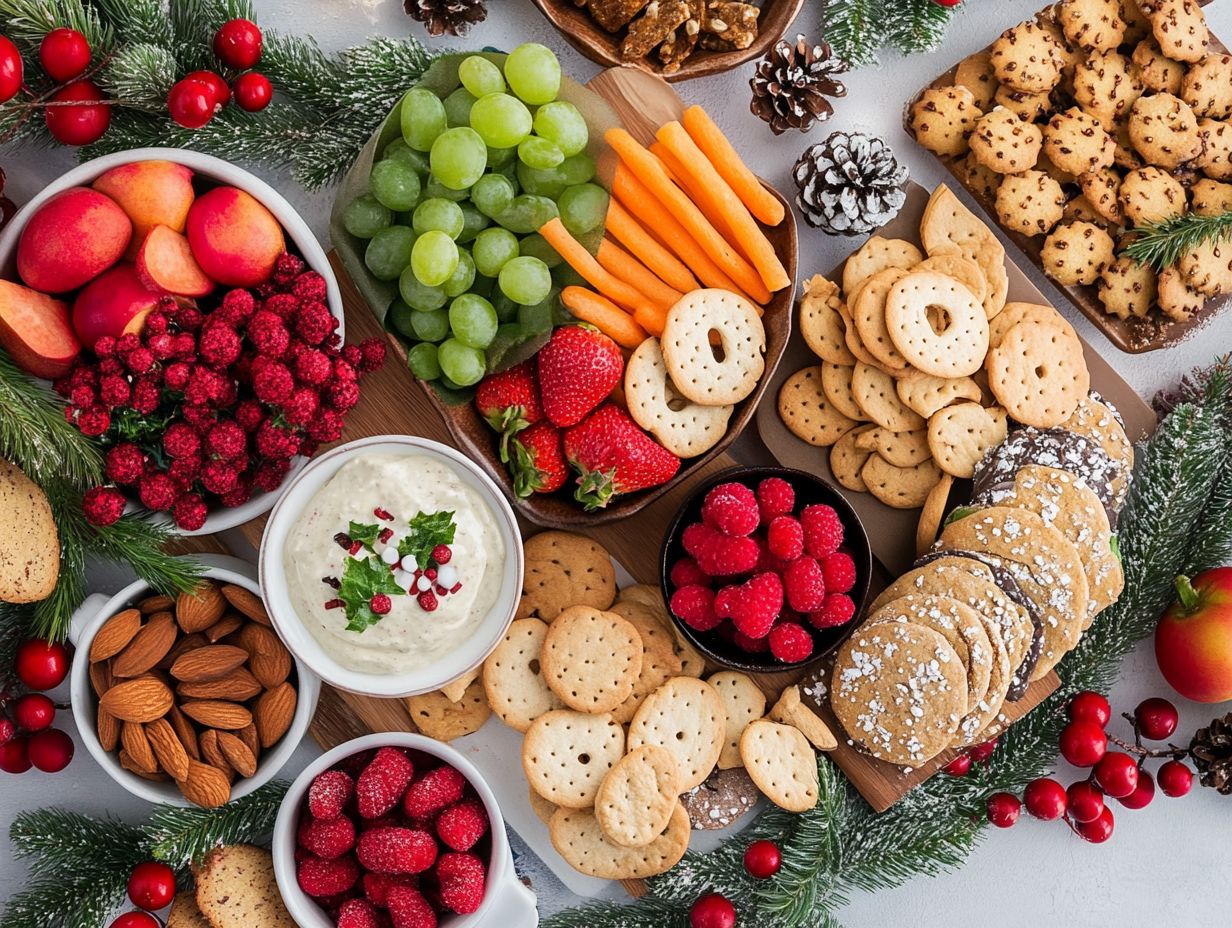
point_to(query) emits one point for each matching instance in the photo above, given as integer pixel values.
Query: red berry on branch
(1142, 795)
(1175, 779)
(237, 44)
(15, 756)
(12, 69)
(51, 750)
(136, 920)
(762, 859)
(1099, 829)
(1003, 809)
(980, 753)
(947, 3)
(1116, 774)
(7, 731)
(960, 766)
(1045, 799)
(190, 512)
(34, 712)
(1089, 706)
(221, 92)
(103, 505)
(151, 886)
(64, 54)
(41, 664)
(253, 91)
(83, 120)
(191, 102)
(1156, 718)
(1086, 802)
(712, 911)
(1083, 743)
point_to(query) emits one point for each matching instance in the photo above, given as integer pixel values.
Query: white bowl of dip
(408, 651)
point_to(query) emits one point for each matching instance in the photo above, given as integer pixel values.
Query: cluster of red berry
(1119, 775)
(151, 887)
(195, 99)
(211, 407)
(387, 839)
(961, 765)
(26, 736)
(762, 860)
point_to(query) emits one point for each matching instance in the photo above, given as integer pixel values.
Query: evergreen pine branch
(54, 615)
(142, 73)
(140, 543)
(648, 912)
(183, 836)
(27, 21)
(856, 29)
(917, 25)
(1212, 545)
(142, 22)
(1163, 244)
(15, 627)
(193, 24)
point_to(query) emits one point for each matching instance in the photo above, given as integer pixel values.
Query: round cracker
(868, 310)
(847, 460)
(577, 837)
(705, 374)
(821, 321)
(875, 393)
(1039, 374)
(959, 436)
(953, 346)
(591, 659)
(636, 800)
(782, 763)
(686, 717)
(684, 428)
(807, 413)
(513, 678)
(566, 755)
(836, 385)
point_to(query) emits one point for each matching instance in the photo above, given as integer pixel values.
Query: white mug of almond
(191, 700)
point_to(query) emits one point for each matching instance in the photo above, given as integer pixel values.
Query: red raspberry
(823, 530)
(342, 395)
(377, 886)
(314, 323)
(750, 645)
(139, 360)
(113, 390)
(383, 782)
(461, 878)
(327, 426)
(273, 383)
(791, 643)
(156, 323)
(837, 609)
(462, 824)
(804, 584)
(103, 505)
(190, 512)
(105, 346)
(219, 346)
(176, 375)
(226, 439)
(753, 605)
(352, 354)
(329, 793)
(125, 463)
(309, 286)
(270, 474)
(287, 268)
(237, 307)
(157, 492)
(250, 414)
(357, 913)
(717, 554)
(94, 421)
(185, 471)
(219, 477)
(694, 604)
(775, 497)
(274, 441)
(162, 346)
(840, 572)
(373, 355)
(320, 878)
(785, 538)
(731, 508)
(685, 572)
(409, 909)
(327, 838)
(312, 367)
(434, 791)
(396, 850)
(282, 305)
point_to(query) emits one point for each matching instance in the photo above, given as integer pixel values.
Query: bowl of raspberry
(396, 828)
(765, 568)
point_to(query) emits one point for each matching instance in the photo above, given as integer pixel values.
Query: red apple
(1193, 642)
(71, 239)
(165, 262)
(152, 193)
(114, 304)
(35, 331)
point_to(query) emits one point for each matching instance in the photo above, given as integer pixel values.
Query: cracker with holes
(847, 460)
(804, 409)
(964, 270)
(714, 375)
(902, 449)
(868, 309)
(744, 702)
(637, 798)
(684, 428)
(937, 325)
(821, 321)
(926, 394)
(513, 679)
(566, 755)
(874, 390)
(564, 569)
(836, 385)
(686, 717)
(577, 837)
(659, 659)
(782, 764)
(1038, 373)
(959, 436)
(900, 487)
(876, 255)
(591, 659)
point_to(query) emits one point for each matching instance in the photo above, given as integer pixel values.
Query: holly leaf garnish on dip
(364, 578)
(428, 529)
(366, 534)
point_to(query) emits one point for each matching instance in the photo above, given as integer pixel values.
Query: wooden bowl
(580, 30)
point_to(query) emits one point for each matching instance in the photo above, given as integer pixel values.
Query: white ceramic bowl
(298, 493)
(506, 902)
(90, 617)
(214, 169)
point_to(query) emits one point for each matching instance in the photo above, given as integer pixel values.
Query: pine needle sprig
(15, 627)
(27, 21)
(181, 837)
(919, 28)
(648, 912)
(139, 542)
(1162, 244)
(143, 22)
(858, 29)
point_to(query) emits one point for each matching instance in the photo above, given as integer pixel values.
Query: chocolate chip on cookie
(1030, 203)
(1004, 143)
(1076, 253)
(1028, 58)
(1127, 288)
(1151, 195)
(1077, 142)
(1164, 130)
(942, 118)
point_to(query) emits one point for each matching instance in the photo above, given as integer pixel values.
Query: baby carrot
(604, 315)
(642, 245)
(719, 151)
(620, 263)
(585, 264)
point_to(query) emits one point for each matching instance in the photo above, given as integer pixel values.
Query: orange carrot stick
(735, 216)
(699, 195)
(585, 264)
(651, 318)
(720, 153)
(648, 169)
(605, 315)
(643, 246)
(619, 262)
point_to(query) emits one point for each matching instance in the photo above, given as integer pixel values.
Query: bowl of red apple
(191, 324)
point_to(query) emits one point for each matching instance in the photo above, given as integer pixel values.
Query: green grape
(399, 316)
(548, 182)
(389, 252)
(473, 320)
(395, 184)
(506, 309)
(398, 150)
(480, 76)
(540, 153)
(501, 120)
(577, 169)
(462, 364)
(458, 158)
(491, 249)
(458, 107)
(462, 277)
(424, 362)
(499, 157)
(434, 258)
(366, 217)
(492, 193)
(536, 246)
(473, 222)
(533, 72)
(418, 296)
(525, 280)
(439, 214)
(448, 384)
(423, 118)
(434, 188)
(583, 208)
(483, 286)
(560, 122)
(432, 326)
(527, 214)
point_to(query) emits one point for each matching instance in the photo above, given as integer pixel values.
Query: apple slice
(165, 262)
(35, 331)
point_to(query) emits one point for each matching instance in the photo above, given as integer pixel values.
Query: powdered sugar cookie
(695, 367)
(1098, 421)
(685, 429)
(686, 717)
(725, 798)
(591, 659)
(566, 755)
(637, 798)
(782, 764)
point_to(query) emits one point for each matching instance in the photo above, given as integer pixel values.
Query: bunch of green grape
(454, 206)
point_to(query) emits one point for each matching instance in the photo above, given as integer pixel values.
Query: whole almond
(237, 686)
(273, 713)
(268, 657)
(149, 646)
(198, 610)
(212, 662)
(108, 729)
(211, 753)
(141, 700)
(217, 713)
(101, 678)
(205, 786)
(237, 754)
(248, 734)
(137, 746)
(185, 732)
(115, 634)
(158, 603)
(183, 646)
(224, 627)
(127, 763)
(167, 748)
(248, 603)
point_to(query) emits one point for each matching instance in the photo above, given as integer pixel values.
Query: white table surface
(1168, 863)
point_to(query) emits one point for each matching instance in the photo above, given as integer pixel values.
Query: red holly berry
(1045, 799)
(64, 54)
(219, 346)
(1003, 809)
(712, 911)
(1175, 779)
(342, 395)
(157, 492)
(1085, 800)
(50, 750)
(103, 505)
(273, 383)
(136, 920)
(190, 512)
(34, 712)
(219, 477)
(7, 731)
(1089, 706)
(1156, 718)
(15, 755)
(960, 766)
(12, 69)
(1083, 743)
(762, 859)
(253, 91)
(372, 350)
(237, 44)
(1099, 829)
(381, 604)
(1116, 774)
(82, 119)
(94, 421)
(980, 753)
(326, 427)
(151, 886)
(1142, 795)
(191, 102)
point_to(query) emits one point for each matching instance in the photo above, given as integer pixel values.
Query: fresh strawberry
(537, 460)
(614, 456)
(578, 368)
(509, 402)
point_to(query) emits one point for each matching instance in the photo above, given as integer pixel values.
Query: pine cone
(792, 82)
(849, 184)
(440, 16)
(1211, 750)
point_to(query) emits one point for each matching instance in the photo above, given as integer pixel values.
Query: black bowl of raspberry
(765, 569)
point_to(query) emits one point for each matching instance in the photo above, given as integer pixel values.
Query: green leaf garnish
(363, 579)
(428, 529)
(365, 533)
(960, 513)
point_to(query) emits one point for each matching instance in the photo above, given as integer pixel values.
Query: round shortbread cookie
(902, 449)
(1106, 84)
(937, 325)
(782, 763)
(591, 659)
(1179, 26)
(1207, 86)
(659, 660)
(926, 394)
(959, 267)
(900, 487)
(959, 436)
(1004, 143)
(686, 717)
(836, 385)
(846, 460)
(743, 702)
(577, 837)
(807, 413)
(700, 372)
(1028, 57)
(868, 309)
(875, 393)
(565, 569)
(1158, 72)
(685, 429)
(444, 719)
(566, 755)
(875, 255)
(1015, 313)
(1038, 373)
(1164, 130)
(636, 800)
(932, 513)
(513, 679)
(821, 321)
(941, 118)
(1092, 25)
(976, 73)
